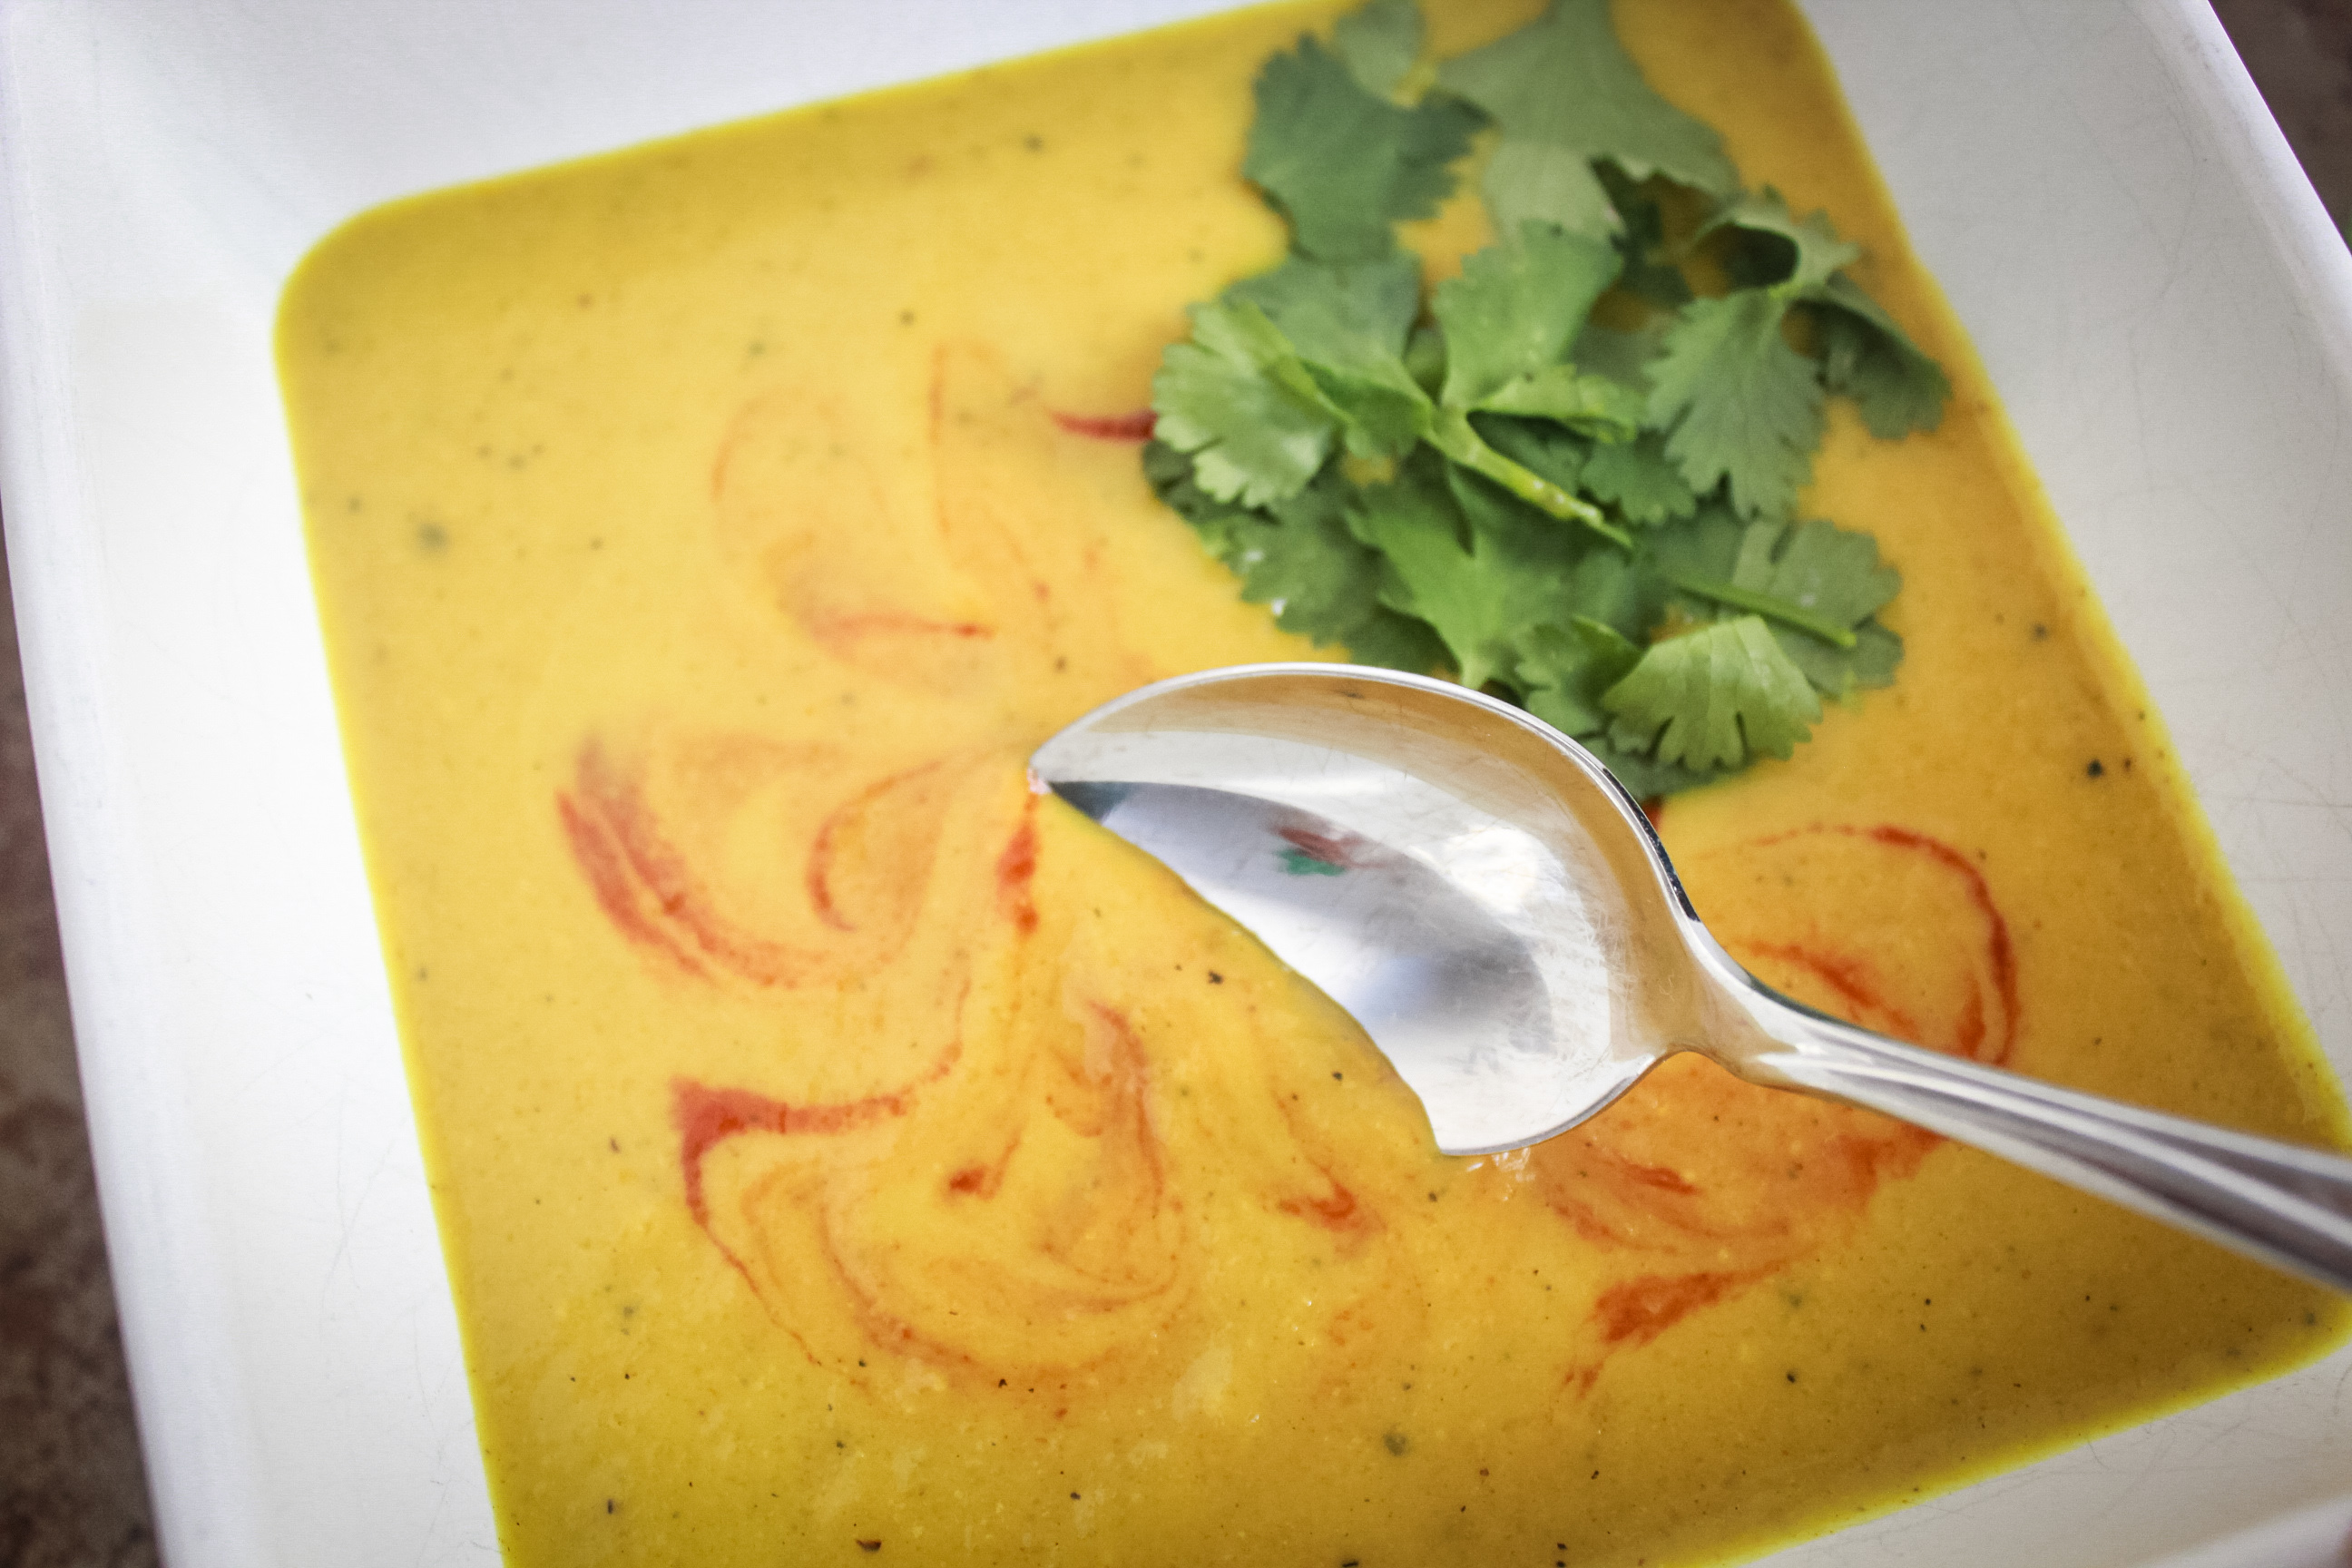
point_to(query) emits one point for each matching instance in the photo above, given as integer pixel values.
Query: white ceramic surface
(2161, 300)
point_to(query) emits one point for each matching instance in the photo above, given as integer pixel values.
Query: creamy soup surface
(840, 1150)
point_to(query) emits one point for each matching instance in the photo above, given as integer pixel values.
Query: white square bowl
(2160, 299)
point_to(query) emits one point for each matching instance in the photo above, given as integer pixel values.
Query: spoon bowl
(1486, 900)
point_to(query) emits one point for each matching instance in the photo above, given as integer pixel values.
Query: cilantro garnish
(1595, 523)
(1715, 697)
(1516, 308)
(1639, 480)
(1898, 388)
(1563, 96)
(1237, 398)
(1343, 164)
(1568, 672)
(1742, 407)
(1378, 44)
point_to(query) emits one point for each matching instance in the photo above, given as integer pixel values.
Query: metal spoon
(1489, 903)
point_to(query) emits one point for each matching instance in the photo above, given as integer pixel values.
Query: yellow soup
(840, 1150)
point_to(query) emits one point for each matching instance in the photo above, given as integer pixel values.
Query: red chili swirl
(1715, 1183)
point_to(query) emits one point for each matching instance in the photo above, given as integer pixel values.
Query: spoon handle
(2288, 1205)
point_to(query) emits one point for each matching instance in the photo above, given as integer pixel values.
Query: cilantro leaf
(1301, 557)
(1563, 92)
(1620, 356)
(1424, 357)
(1564, 670)
(1379, 43)
(1342, 314)
(1713, 698)
(1817, 566)
(1303, 561)
(1517, 307)
(1737, 402)
(1395, 641)
(1624, 593)
(1560, 393)
(1836, 575)
(1703, 544)
(1477, 587)
(1452, 433)
(1495, 511)
(1237, 398)
(1384, 411)
(1841, 672)
(1348, 324)
(1549, 451)
(1898, 385)
(1691, 566)
(1536, 182)
(1638, 479)
(1651, 273)
(1796, 256)
(1866, 355)
(1343, 164)
(1802, 597)
(1168, 472)
(1225, 536)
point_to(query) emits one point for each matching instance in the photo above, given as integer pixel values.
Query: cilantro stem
(1452, 433)
(1770, 606)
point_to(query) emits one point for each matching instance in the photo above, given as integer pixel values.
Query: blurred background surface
(72, 1494)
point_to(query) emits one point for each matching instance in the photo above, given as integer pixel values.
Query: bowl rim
(162, 167)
